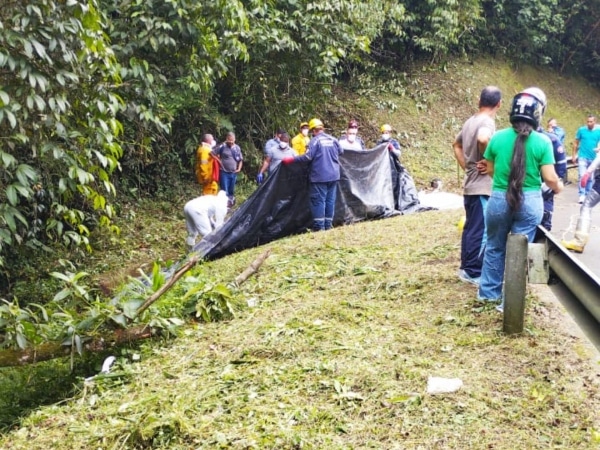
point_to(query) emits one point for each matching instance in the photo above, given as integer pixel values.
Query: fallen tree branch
(51, 350)
(252, 268)
(176, 276)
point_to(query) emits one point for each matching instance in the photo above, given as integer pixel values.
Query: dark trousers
(322, 204)
(473, 236)
(548, 210)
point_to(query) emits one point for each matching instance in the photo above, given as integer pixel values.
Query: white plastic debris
(441, 200)
(438, 385)
(107, 364)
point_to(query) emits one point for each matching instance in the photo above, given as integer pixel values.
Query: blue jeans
(227, 182)
(582, 165)
(500, 221)
(322, 204)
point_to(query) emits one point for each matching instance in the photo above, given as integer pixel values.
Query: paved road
(566, 212)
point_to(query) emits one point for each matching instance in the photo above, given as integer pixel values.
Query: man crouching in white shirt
(203, 215)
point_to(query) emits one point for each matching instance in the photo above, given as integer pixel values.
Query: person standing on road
(584, 222)
(558, 131)
(515, 158)
(323, 153)
(560, 166)
(469, 146)
(586, 141)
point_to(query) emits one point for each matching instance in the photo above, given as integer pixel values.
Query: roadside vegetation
(343, 330)
(102, 105)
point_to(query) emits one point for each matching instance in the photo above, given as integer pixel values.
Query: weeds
(336, 354)
(343, 330)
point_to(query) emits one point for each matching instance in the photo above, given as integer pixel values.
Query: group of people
(511, 177)
(278, 148)
(323, 152)
(218, 165)
(504, 173)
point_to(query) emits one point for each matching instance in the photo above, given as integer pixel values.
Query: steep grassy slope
(349, 324)
(335, 353)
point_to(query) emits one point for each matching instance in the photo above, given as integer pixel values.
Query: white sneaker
(464, 276)
(190, 241)
(581, 199)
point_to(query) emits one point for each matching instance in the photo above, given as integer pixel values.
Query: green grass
(349, 324)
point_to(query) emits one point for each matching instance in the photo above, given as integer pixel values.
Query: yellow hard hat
(315, 123)
(385, 128)
(304, 124)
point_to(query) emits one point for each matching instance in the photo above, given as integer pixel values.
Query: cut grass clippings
(347, 328)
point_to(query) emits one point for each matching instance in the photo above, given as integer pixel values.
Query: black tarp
(373, 185)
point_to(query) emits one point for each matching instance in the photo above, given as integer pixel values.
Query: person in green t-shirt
(515, 158)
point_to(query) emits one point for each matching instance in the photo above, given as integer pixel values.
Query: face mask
(351, 137)
(305, 132)
(213, 144)
(385, 136)
(283, 145)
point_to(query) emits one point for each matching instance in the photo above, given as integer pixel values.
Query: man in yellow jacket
(207, 172)
(301, 140)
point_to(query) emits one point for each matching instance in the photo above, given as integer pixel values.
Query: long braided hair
(514, 194)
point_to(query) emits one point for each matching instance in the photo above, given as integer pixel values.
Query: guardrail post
(515, 283)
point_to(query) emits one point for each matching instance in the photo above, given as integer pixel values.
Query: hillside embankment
(339, 331)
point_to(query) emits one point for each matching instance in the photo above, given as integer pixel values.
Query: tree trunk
(51, 350)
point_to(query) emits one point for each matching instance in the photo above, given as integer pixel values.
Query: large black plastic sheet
(373, 185)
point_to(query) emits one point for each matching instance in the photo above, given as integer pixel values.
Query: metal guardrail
(570, 163)
(582, 283)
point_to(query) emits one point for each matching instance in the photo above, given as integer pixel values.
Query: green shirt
(538, 152)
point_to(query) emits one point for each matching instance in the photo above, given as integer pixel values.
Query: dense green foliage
(108, 98)
(58, 126)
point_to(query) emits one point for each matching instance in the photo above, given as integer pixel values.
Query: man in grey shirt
(469, 146)
(275, 155)
(230, 159)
